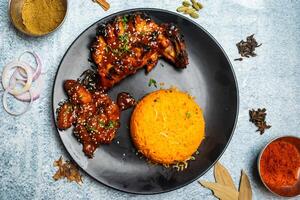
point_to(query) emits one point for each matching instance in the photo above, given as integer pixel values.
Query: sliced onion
(4, 101)
(25, 75)
(19, 74)
(37, 70)
(35, 91)
(6, 80)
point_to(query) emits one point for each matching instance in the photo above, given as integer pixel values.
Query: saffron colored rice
(167, 126)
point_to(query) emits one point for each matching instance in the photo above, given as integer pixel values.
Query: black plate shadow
(209, 77)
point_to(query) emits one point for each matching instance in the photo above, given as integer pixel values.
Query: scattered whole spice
(67, 169)
(238, 59)
(182, 9)
(43, 16)
(186, 3)
(194, 15)
(258, 117)
(191, 8)
(280, 164)
(196, 7)
(103, 3)
(247, 48)
(190, 11)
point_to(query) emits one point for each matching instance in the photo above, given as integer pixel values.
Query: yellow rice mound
(167, 126)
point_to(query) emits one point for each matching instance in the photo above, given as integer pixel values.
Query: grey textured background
(29, 144)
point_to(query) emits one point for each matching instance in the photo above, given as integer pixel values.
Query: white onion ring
(5, 82)
(37, 70)
(35, 92)
(24, 74)
(13, 79)
(4, 101)
(25, 97)
(20, 74)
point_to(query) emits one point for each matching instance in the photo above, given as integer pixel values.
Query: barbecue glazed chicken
(94, 115)
(131, 42)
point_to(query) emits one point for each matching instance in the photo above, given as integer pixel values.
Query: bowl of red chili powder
(279, 166)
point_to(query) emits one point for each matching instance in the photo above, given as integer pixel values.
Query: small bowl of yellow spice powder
(37, 17)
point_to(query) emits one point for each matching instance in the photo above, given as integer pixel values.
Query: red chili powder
(279, 164)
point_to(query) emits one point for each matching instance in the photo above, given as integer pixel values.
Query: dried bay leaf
(222, 176)
(245, 188)
(221, 191)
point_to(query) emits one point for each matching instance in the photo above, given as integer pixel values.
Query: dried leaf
(221, 191)
(222, 176)
(57, 175)
(245, 188)
(58, 162)
(67, 169)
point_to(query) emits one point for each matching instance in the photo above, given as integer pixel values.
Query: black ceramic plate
(209, 77)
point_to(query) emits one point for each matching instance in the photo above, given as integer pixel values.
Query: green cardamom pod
(196, 7)
(186, 3)
(194, 15)
(189, 11)
(182, 9)
(199, 5)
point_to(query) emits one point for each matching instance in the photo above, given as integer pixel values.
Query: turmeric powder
(43, 16)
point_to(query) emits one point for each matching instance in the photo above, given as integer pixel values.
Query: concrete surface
(29, 144)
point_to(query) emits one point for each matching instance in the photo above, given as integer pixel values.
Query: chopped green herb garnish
(124, 38)
(188, 115)
(192, 158)
(89, 128)
(197, 152)
(101, 123)
(152, 82)
(125, 20)
(111, 124)
(124, 48)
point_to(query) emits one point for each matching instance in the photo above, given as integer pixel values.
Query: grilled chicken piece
(65, 117)
(77, 93)
(95, 116)
(132, 42)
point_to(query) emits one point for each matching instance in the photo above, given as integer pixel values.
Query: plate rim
(141, 9)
